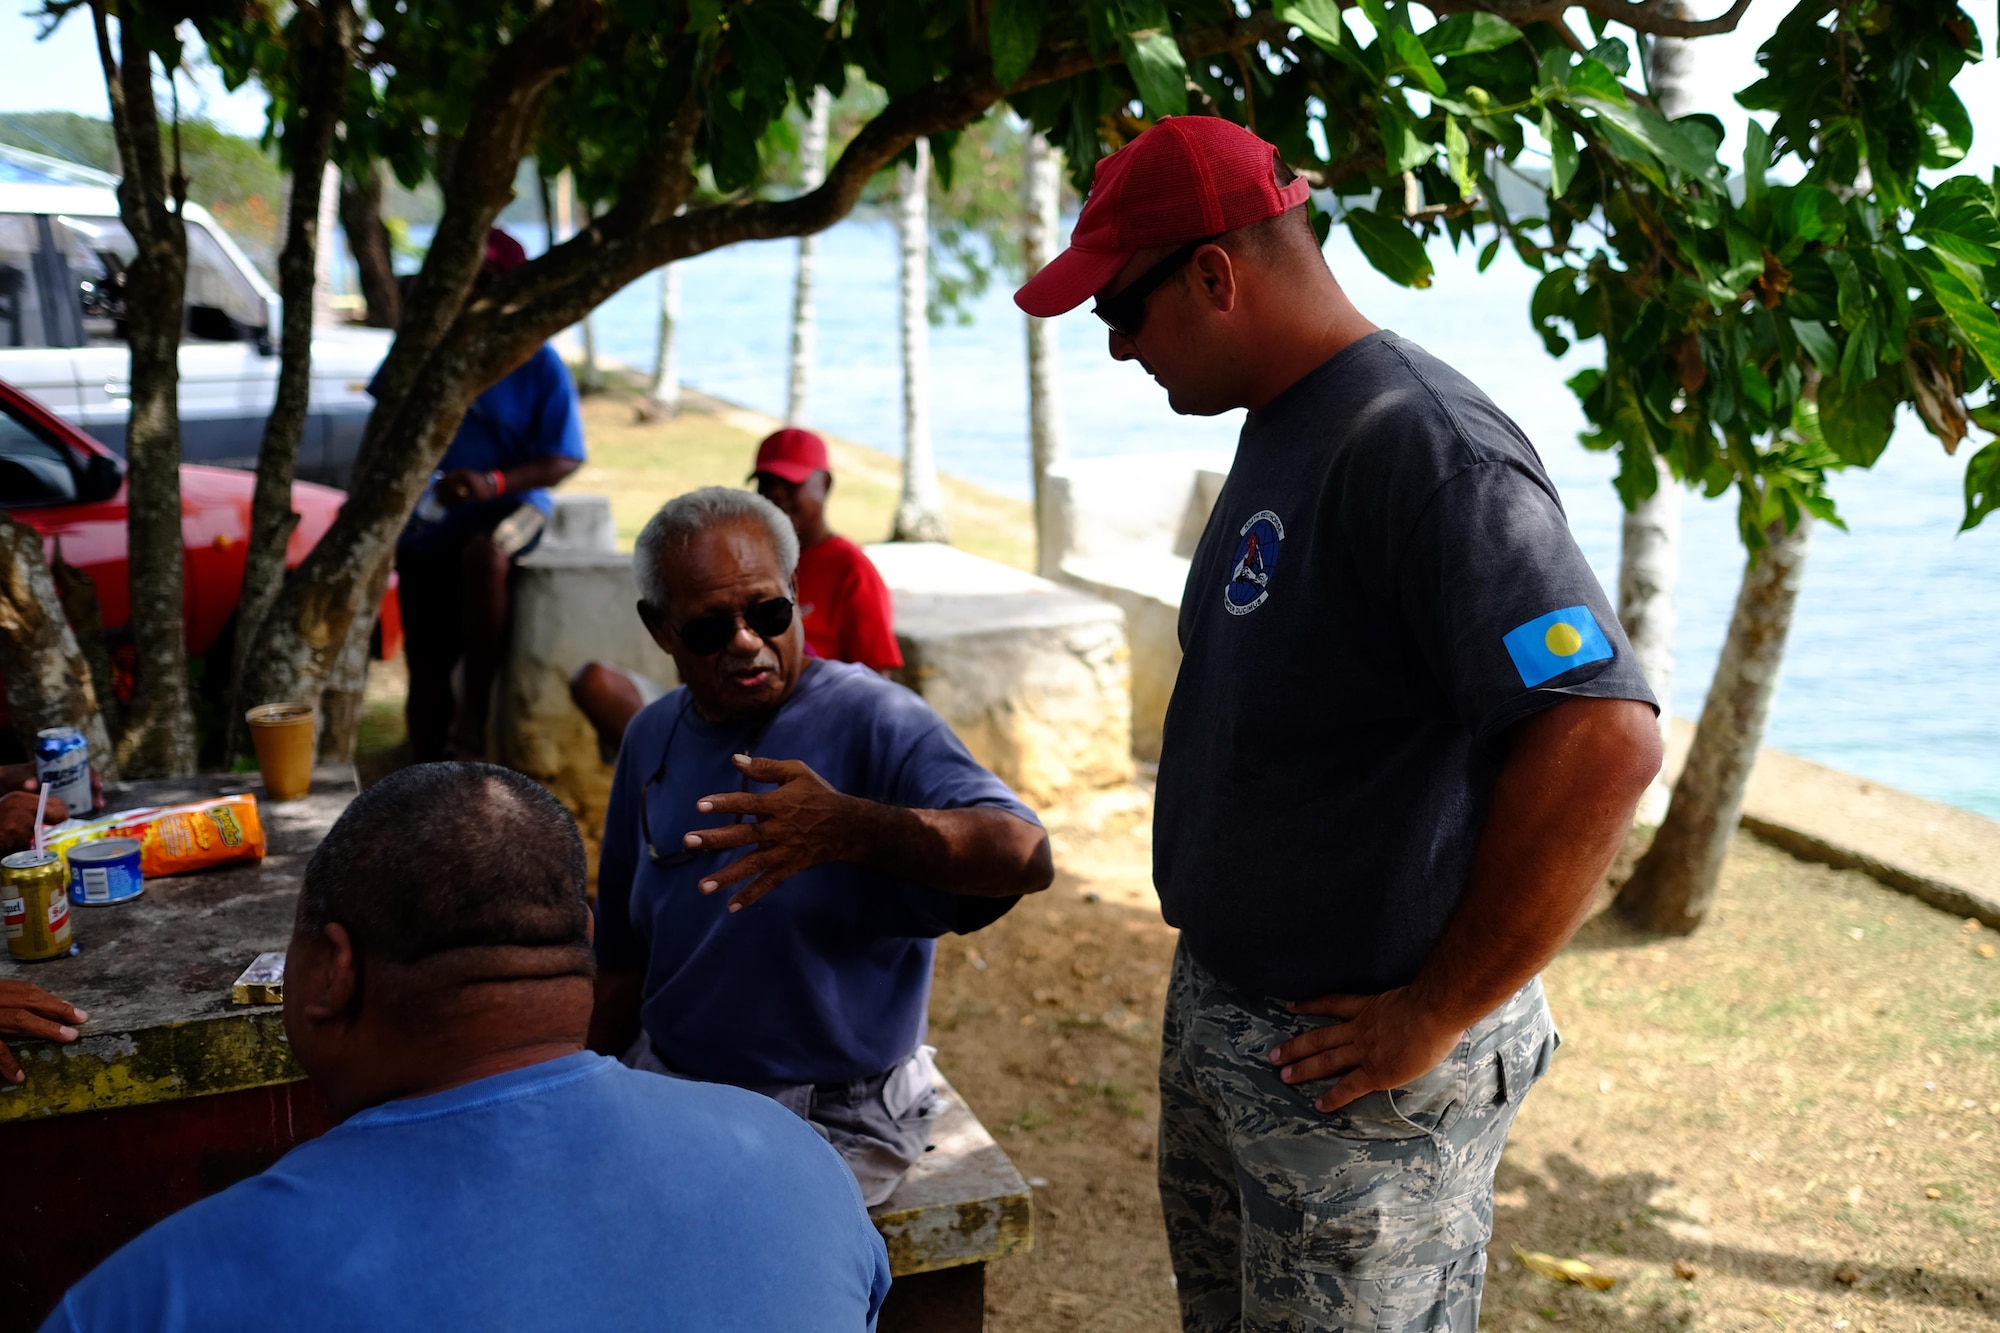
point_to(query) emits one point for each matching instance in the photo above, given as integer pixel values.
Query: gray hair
(684, 517)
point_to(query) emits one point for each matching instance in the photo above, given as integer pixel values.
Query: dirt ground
(1799, 1105)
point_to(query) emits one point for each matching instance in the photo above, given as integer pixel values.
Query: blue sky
(61, 74)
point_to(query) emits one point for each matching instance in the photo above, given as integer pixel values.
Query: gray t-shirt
(1386, 585)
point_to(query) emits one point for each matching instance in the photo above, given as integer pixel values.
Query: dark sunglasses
(705, 636)
(1125, 311)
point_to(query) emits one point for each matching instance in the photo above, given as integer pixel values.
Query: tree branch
(1659, 18)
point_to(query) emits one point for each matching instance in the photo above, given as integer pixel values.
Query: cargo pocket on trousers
(1523, 1061)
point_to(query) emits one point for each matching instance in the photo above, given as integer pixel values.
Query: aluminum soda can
(62, 763)
(104, 872)
(34, 903)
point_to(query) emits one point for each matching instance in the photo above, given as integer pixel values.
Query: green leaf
(1819, 345)
(1486, 255)
(1469, 34)
(1562, 154)
(1157, 70)
(1756, 162)
(1014, 31)
(1395, 251)
(1458, 154)
(1412, 58)
(1592, 79)
(1961, 221)
(1976, 324)
(1856, 422)
(1661, 137)
(1982, 485)
(1319, 20)
(1402, 150)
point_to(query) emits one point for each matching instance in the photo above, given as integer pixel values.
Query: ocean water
(1895, 653)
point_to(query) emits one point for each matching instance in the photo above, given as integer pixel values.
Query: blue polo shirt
(825, 978)
(573, 1194)
(531, 413)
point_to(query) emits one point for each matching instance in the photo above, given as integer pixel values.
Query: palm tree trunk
(663, 396)
(1648, 573)
(1041, 185)
(1650, 550)
(1674, 884)
(812, 173)
(920, 512)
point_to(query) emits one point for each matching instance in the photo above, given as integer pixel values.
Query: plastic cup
(283, 735)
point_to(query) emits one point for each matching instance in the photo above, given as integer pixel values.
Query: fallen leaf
(1972, 925)
(1856, 933)
(1685, 1271)
(1846, 1276)
(1564, 1270)
(1986, 951)
(1933, 1193)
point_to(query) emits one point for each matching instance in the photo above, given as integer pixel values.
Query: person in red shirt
(841, 596)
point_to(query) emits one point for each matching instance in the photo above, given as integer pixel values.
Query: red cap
(1185, 178)
(503, 253)
(791, 453)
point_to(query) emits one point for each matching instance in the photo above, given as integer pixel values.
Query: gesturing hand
(1388, 1041)
(804, 823)
(26, 1010)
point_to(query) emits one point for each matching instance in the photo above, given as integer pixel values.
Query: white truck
(63, 251)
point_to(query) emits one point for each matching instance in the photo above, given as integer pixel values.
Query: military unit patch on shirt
(1257, 546)
(1549, 645)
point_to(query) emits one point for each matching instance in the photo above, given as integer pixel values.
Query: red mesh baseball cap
(791, 453)
(1185, 178)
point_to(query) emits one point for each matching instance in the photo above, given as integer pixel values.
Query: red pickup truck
(71, 489)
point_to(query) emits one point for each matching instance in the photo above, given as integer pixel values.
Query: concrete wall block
(570, 607)
(1047, 708)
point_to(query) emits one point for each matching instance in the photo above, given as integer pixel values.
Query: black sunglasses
(705, 636)
(1124, 312)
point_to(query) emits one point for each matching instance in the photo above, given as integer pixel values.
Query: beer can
(105, 871)
(34, 903)
(62, 763)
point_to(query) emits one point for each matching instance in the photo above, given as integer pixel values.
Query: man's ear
(1215, 278)
(656, 625)
(331, 977)
(825, 480)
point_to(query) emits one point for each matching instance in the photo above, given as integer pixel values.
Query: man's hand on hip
(1387, 1041)
(804, 823)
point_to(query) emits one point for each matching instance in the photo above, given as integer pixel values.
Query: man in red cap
(841, 596)
(1406, 740)
(484, 509)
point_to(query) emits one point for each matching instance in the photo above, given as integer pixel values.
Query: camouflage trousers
(1374, 1219)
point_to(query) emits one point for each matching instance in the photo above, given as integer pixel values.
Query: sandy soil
(1799, 1105)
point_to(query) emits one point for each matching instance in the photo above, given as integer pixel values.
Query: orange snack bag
(178, 838)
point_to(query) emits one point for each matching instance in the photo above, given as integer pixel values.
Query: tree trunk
(663, 396)
(1650, 550)
(1674, 884)
(159, 739)
(812, 173)
(48, 680)
(1648, 572)
(368, 242)
(326, 258)
(300, 278)
(920, 512)
(1041, 184)
(590, 379)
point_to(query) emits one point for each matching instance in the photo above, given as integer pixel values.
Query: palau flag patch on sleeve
(1549, 645)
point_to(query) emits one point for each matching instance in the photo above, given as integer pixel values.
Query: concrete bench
(963, 1206)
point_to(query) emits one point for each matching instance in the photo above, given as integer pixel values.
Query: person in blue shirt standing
(484, 510)
(790, 955)
(489, 1172)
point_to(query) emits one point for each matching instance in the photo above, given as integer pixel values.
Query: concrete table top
(964, 1203)
(155, 973)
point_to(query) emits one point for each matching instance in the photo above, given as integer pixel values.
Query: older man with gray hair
(786, 840)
